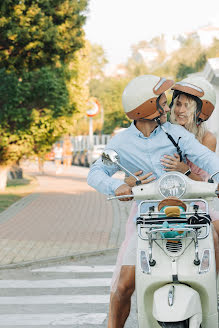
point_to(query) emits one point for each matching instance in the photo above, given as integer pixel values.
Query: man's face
(163, 104)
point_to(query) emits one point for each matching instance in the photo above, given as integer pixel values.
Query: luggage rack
(151, 213)
(157, 228)
(192, 230)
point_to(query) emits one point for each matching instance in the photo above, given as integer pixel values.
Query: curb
(74, 256)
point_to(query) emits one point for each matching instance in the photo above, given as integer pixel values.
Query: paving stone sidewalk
(63, 217)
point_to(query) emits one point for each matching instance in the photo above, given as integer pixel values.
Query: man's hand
(124, 190)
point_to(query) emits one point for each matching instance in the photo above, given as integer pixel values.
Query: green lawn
(15, 190)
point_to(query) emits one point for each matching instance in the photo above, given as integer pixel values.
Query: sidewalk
(62, 218)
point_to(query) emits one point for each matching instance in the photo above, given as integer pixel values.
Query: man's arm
(100, 178)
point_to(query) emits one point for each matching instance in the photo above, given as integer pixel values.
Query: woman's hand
(173, 164)
(131, 181)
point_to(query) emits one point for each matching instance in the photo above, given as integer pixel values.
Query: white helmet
(201, 91)
(140, 98)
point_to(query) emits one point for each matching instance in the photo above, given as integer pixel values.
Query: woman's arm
(173, 163)
(209, 140)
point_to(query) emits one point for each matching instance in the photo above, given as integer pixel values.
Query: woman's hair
(191, 125)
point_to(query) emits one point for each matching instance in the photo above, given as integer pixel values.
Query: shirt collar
(138, 133)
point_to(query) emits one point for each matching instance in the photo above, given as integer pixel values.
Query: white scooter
(176, 281)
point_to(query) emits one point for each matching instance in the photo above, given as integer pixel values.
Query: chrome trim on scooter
(205, 261)
(144, 264)
(171, 295)
(149, 238)
(155, 202)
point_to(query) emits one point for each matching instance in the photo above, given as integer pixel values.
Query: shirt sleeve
(199, 154)
(100, 178)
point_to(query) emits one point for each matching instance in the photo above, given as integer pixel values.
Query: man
(142, 145)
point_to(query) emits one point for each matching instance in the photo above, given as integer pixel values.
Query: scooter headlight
(172, 184)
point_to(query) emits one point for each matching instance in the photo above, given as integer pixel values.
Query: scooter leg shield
(176, 302)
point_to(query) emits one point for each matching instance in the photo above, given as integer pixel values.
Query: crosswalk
(60, 296)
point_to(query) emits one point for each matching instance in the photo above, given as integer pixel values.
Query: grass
(15, 190)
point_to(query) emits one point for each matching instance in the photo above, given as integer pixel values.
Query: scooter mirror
(110, 157)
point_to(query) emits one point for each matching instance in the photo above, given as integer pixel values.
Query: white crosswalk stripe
(55, 283)
(77, 268)
(58, 299)
(61, 295)
(52, 319)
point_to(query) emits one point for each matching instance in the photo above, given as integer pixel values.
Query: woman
(188, 111)
(190, 108)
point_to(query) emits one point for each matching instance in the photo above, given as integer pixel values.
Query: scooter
(176, 282)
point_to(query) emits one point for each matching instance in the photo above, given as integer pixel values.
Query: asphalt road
(64, 295)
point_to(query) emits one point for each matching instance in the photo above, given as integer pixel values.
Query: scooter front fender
(176, 302)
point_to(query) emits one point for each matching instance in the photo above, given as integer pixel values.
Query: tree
(38, 33)
(38, 39)
(213, 50)
(183, 70)
(98, 61)
(41, 91)
(47, 128)
(45, 131)
(109, 93)
(190, 57)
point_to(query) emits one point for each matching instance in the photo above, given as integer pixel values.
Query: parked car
(84, 159)
(76, 158)
(93, 155)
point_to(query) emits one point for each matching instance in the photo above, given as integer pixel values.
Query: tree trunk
(3, 177)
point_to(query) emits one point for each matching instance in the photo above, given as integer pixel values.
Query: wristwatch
(188, 172)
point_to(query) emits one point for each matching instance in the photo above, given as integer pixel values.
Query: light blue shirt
(137, 152)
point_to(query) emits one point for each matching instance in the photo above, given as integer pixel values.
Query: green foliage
(45, 131)
(97, 61)
(30, 106)
(213, 50)
(189, 58)
(183, 70)
(134, 68)
(109, 93)
(77, 84)
(44, 88)
(39, 40)
(14, 146)
(39, 33)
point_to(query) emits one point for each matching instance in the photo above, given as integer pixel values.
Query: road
(64, 295)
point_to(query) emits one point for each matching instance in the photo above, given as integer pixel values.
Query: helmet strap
(179, 151)
(160, 110)
(159, 107)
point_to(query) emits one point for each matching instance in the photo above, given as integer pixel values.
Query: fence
(81, 143)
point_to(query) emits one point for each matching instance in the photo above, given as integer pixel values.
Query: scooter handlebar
(120, 197)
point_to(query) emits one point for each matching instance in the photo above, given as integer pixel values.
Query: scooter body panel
(184, 303)
(187, 273)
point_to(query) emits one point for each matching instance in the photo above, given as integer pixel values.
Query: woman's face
(181, 110)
